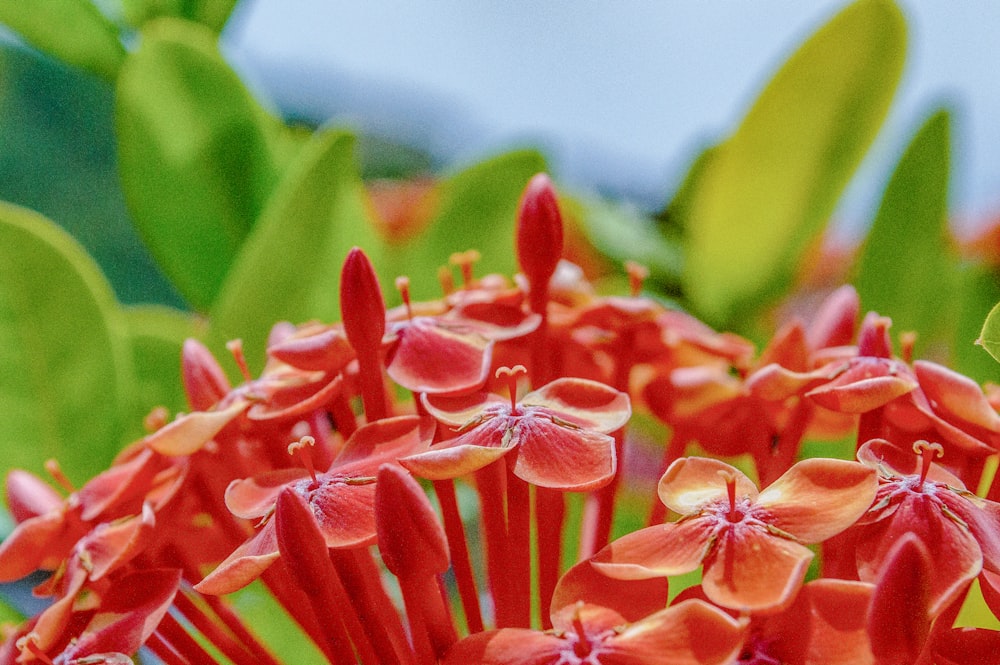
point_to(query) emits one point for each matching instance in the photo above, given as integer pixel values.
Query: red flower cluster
(317, 478)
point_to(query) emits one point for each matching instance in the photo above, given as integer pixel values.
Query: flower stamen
(637, 274)
(52, 466)
(734, 514)
(235, 347)
(465, 261)
(299, 448)
(511, 374)
(921, 448)
(403, 286)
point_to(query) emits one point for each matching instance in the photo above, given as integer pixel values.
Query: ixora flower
(916, 496)
(556, 436)
(341, 499)
(751, 543)
(599, 621)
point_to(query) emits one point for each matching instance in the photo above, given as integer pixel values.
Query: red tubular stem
(378, 616)
(162, 650)
(519, 539)
(216, 634)
(185, 645)
(789, 442)
(458, 550)
(343, 416)
(490, 482)
(372, 387)
(550, 515)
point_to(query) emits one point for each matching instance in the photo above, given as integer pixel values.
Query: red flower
(915, 496)
(342, 498)
(556, 436)
(752, 544)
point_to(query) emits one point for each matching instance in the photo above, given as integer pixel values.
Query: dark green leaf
(73, 31)
(478, 210)
(195, 153)
(905, 270)
(156, 335)
(289, 268)
(768, 190)
(66, 370)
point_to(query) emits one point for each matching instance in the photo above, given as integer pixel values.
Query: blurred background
(619, 96)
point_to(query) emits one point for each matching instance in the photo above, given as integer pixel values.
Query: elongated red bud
(362, 307)
(410, 537)
(899, 618)
(204, 381)
(539, 233)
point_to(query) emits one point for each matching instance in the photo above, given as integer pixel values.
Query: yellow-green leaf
(73, 31)
(768, 190)
(66, 370)
(196, 155)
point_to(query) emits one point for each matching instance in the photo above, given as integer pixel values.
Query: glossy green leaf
(195, 154)
(905, 269)
(73, 31)
(289, 268)
(768, 190)
(156, 335)
(477, 210)
(989, 336)
(66, 369)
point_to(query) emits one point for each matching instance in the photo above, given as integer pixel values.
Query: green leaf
(989, 336)
(978, 290)
(73, 31)
(195, 152)
(210, 13)
(768, 190)
(624, 233)
(905, 270)
(478, 210)
(289, 268)
(66, 370)
(156, 335)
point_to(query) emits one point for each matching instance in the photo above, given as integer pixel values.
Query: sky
(620, 95)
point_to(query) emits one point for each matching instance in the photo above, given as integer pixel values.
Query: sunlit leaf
(768, 190)
(989, 336)
(195, 153)
(906, 269)
(289, 268)
(156, 335)
(978, 290)
(73, 31)
(477, 210)
(66, 369)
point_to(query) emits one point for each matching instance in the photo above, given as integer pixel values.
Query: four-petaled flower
(752, 543)
(556, 436)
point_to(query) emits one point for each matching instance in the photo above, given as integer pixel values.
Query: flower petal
(325, 349)
(818, 498)
(899, 619)
(752, 570)
(691, 483)
(383, 441)
(862, 395)
(253, 498)
(434, 357)
(956, 395)
(188, 433)
(443, 462)
(509, 646)
(345, 513)
(550, 455)
(689, 633)
(244, 565)
(462, 410)
(662, 550)
(585, 403)
(632, 599)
